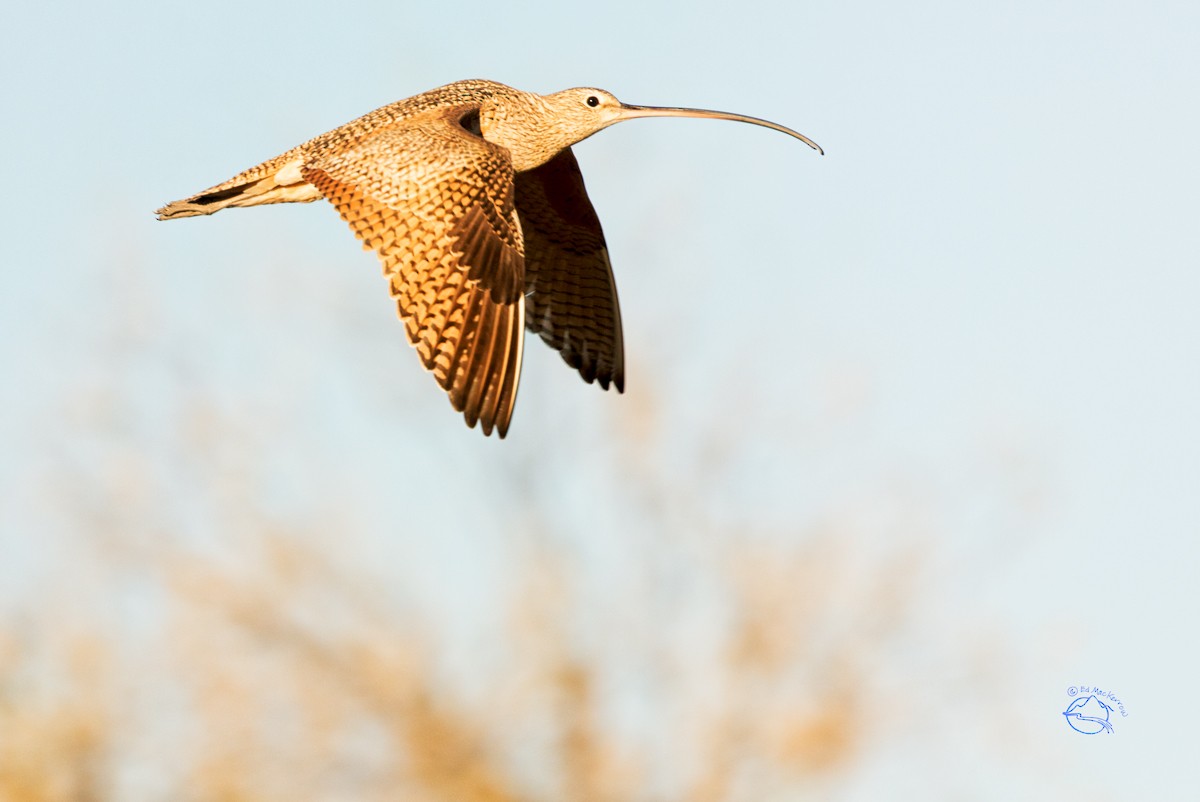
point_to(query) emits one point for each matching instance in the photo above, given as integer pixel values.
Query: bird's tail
(275, 181)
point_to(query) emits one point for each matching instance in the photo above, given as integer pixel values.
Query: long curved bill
(630, 112)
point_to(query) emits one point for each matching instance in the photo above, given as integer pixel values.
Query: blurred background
(909, 445)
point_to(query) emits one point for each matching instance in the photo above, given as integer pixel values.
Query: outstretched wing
(571, 298)
(435, 201)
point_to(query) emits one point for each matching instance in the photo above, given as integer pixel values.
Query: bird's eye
(593, 101)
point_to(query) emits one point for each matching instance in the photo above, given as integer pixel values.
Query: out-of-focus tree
(200, 640)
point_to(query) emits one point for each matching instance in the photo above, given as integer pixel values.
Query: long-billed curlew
(474, 202)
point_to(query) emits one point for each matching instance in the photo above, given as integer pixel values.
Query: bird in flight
(473, 201)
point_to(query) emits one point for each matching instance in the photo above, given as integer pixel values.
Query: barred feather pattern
(447, 233)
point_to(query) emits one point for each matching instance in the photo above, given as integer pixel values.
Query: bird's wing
(571, 298)
(435, 201)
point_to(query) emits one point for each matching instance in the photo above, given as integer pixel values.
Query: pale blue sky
(985, 293)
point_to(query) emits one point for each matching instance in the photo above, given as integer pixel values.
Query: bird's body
(474, 202)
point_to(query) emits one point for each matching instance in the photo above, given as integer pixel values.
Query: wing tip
(498, 426)
(614, 379)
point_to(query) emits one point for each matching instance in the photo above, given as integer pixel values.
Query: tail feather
(274, 181)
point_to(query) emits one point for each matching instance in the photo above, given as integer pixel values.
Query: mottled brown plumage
(474, 202)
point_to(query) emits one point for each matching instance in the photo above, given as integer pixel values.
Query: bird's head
(583, 111)
(572, 115)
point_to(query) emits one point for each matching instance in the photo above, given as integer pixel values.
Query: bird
(473, 200)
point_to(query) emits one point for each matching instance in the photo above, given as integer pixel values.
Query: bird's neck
(526, 126)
